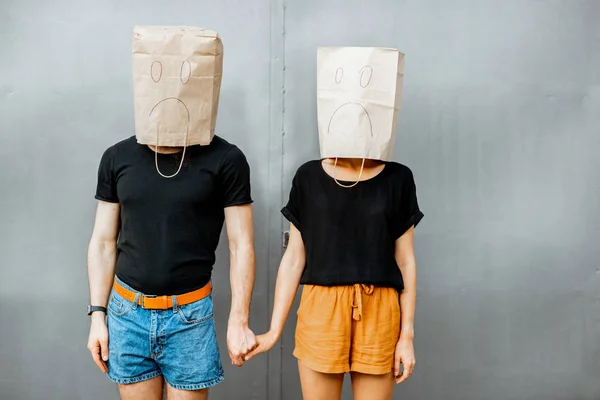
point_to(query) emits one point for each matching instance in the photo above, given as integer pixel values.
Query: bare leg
(372, 387)
(320, 386)
(152, 389)
(177, 394)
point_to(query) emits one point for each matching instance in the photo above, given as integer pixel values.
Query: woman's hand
(264, 343)
(405, 355)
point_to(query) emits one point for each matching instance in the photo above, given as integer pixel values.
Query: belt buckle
(163, 300)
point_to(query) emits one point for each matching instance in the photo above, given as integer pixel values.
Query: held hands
(405, 355)
(98, 341)
(240, 341)
(264, 343)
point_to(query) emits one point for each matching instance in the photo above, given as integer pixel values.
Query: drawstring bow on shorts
(357, 299)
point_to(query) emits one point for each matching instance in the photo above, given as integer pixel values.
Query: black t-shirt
(170, 228)
(349, 233)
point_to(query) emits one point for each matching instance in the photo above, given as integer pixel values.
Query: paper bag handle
(178, 169)
(184, 147)
(362, 167)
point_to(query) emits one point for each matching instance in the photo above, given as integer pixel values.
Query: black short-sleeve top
(349, 234)
(170, 228)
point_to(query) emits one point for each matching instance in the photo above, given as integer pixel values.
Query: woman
(351, 246)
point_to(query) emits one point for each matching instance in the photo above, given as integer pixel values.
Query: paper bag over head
(358, 96)
(176, 84)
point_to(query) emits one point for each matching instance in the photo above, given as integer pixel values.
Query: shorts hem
(197, 386)
(127, 381)
(322, 368)
(369, 369)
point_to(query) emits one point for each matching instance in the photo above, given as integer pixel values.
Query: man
(153, 244)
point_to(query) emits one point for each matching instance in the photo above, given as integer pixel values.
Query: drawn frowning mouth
(175, 106)
(345, 120)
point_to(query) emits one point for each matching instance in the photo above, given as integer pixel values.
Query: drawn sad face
(175, 108)
(176, 84)
(358, 94)
(352, 118)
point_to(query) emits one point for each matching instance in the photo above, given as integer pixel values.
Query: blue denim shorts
(179, 343)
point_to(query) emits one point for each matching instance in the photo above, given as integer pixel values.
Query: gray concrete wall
(500, 123)
(65, 95)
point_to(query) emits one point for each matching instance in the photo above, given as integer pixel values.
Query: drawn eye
(186, 72)
(366, 73)
(156, 71)
(339, 75)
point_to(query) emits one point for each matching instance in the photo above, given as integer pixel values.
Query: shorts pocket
(196, 312)
(118, 307)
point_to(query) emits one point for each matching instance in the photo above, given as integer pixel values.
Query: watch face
(89, 310)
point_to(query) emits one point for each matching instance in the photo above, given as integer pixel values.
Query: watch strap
(92, 309)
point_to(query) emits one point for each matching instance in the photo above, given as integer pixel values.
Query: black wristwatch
(91, 309)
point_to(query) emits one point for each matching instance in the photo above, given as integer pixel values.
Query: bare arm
(240, 233)
(405, 257)
(102, 255)
(288, 278)
(240, 339)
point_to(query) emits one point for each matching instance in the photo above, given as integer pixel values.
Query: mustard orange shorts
(348, 329)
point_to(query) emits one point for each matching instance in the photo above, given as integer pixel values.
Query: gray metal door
(499, 124)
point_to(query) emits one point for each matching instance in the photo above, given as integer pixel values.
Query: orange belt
(162, 302)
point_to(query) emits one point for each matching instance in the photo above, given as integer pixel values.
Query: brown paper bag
(358, 96)
(176, 84)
